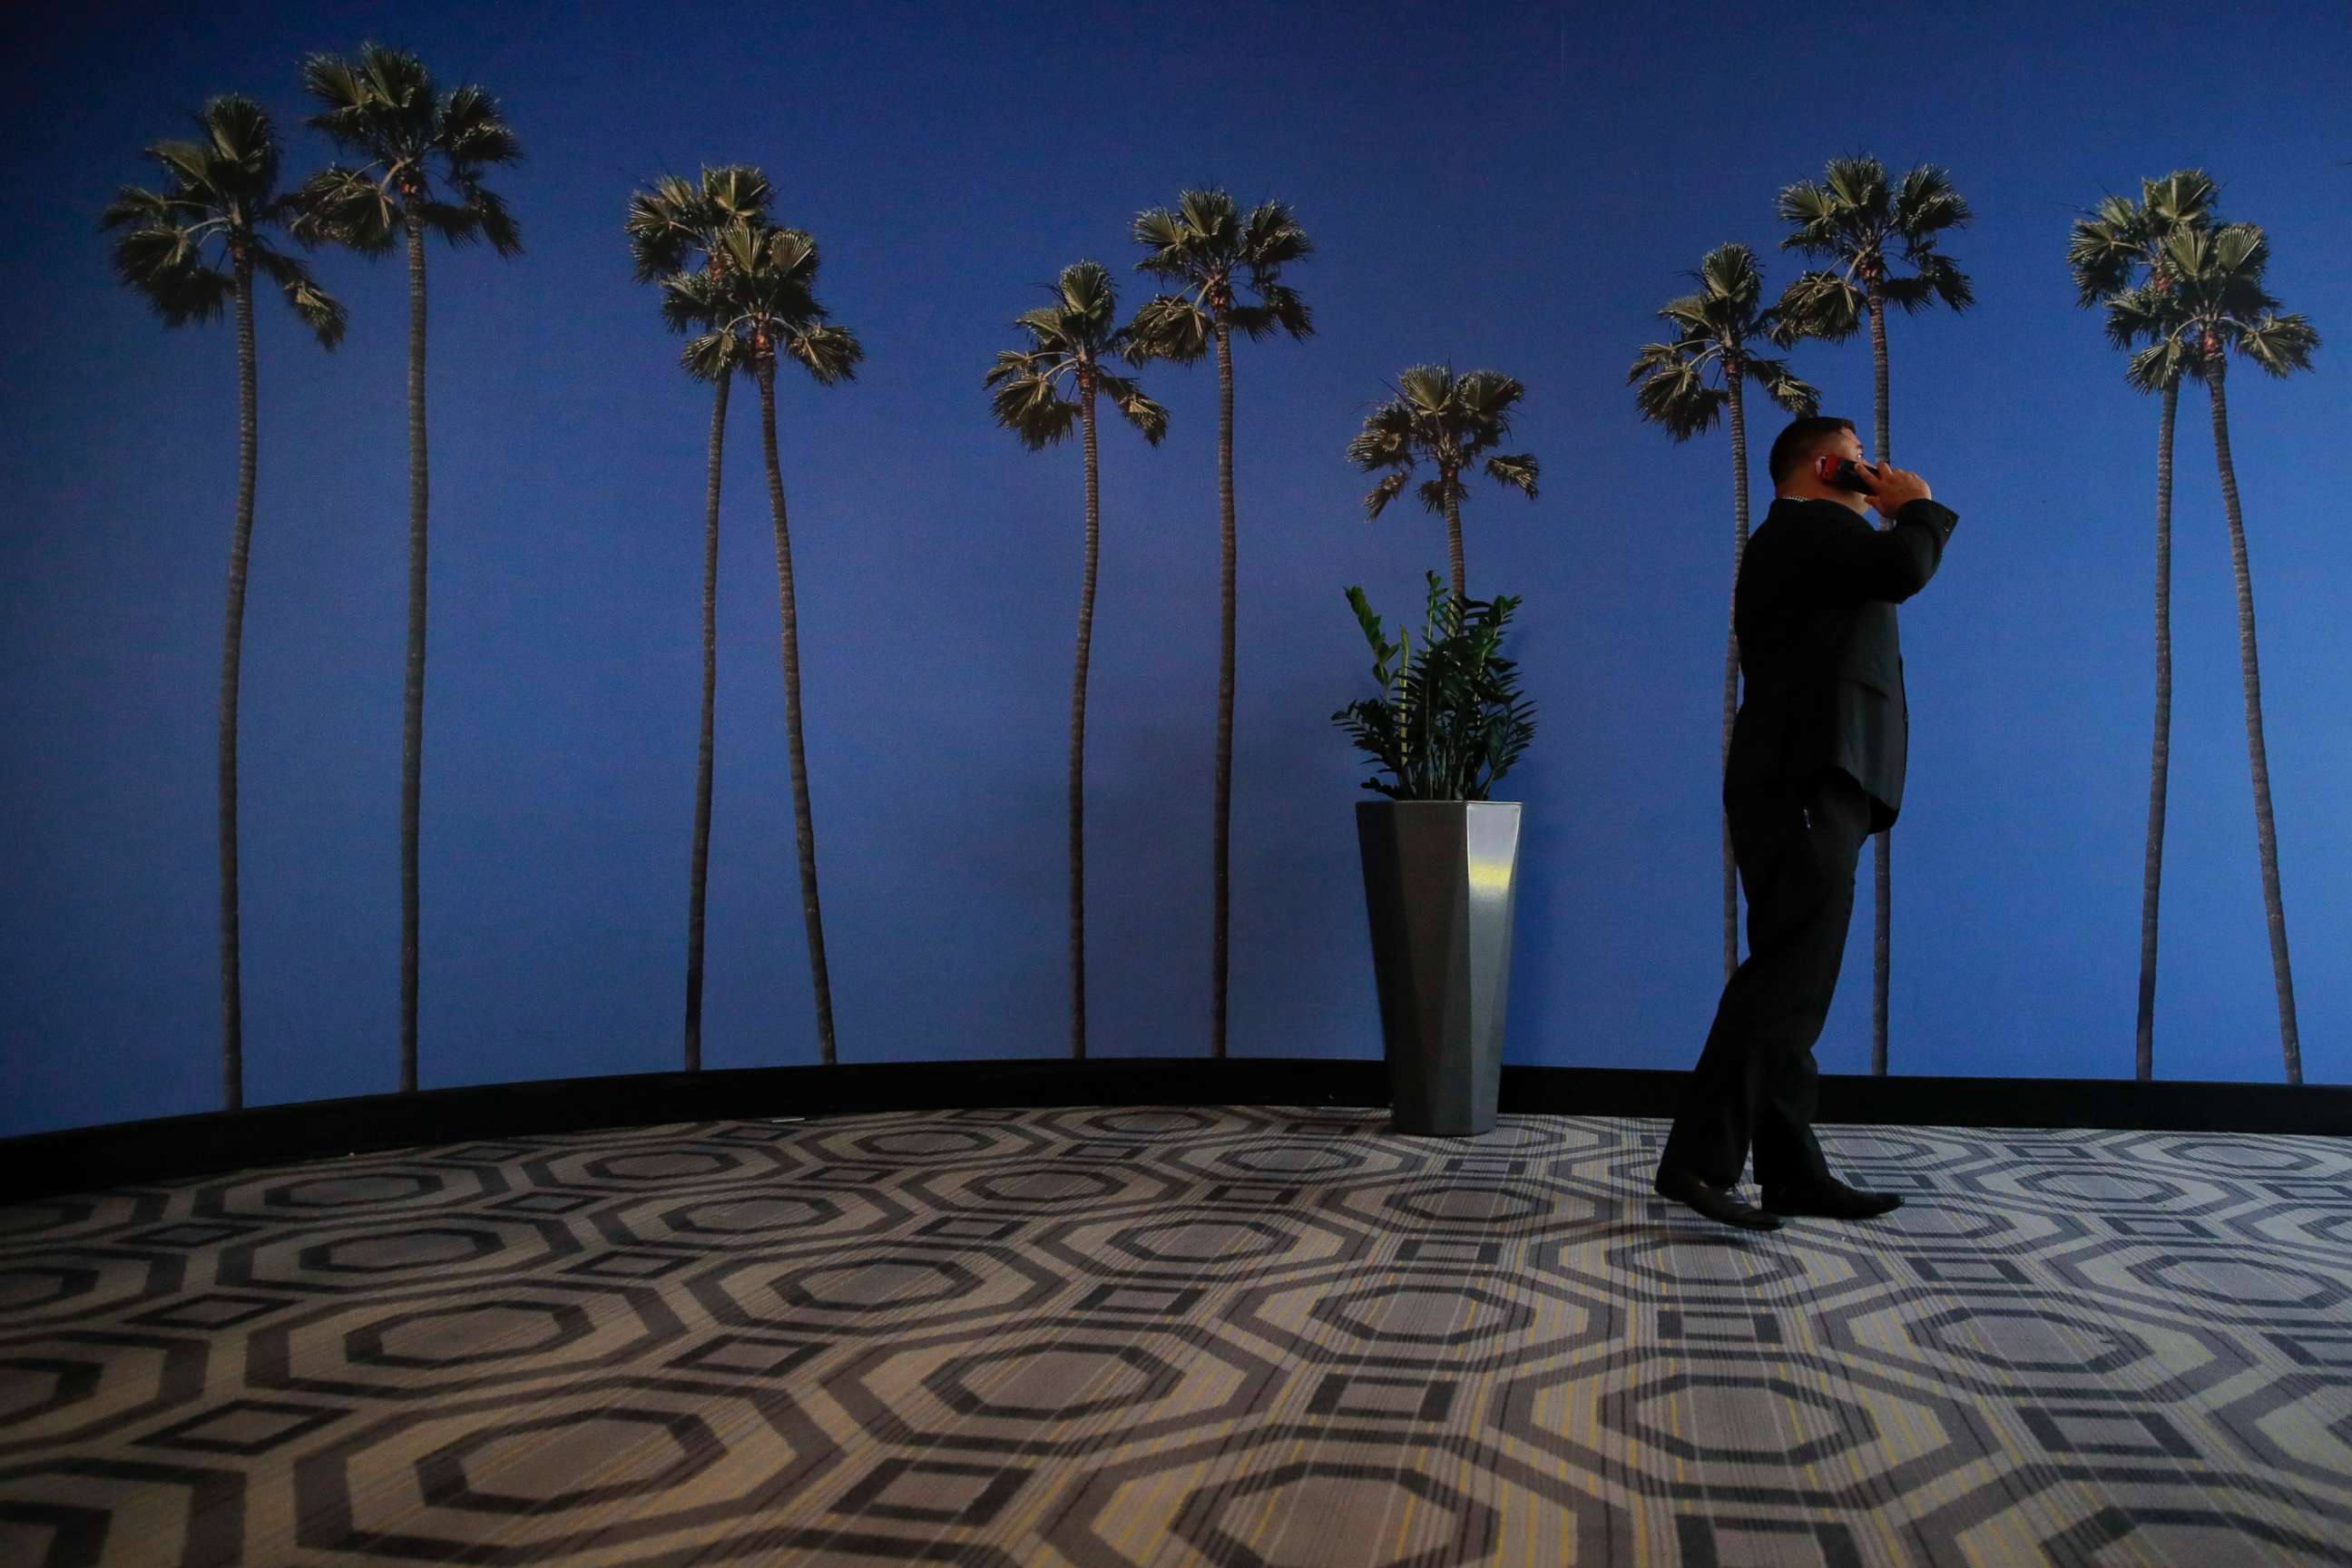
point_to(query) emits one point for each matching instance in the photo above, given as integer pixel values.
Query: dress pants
(1756, 1085)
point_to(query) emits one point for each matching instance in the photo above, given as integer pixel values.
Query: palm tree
(1715, 332)
(1204, 247)
(2120, 243)
(1449, 422)
(1069, 341)
(755, 303)
(673, 226)
(190, 250)
(384, 109)
(2208, 299)
(1854, 221)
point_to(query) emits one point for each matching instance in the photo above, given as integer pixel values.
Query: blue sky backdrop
(1518, 187)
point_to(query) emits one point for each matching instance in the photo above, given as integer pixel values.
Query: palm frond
(1090, 299)
(674, 220)
(1028, 404)
(319, 311)
(344, 207)
(1818, 304)
(2160, 365)
(1943, 278)
(1910, 295)
(1272, 239)
(2183, 196)
(137, 205)
(1672, 391)
(1387, 438)
(1174, 249)
(2279, 344)
(1926, 203)
(244, 146)
(1168, 327)
(1651, 358)
(470, 132)
(711, 355)
(1486, 398)
(691, 299)
(2141, 313)
(736, 191)
(1284, 310)
(1126, 395)
(2102, 250)
(492, 217)
(454, 221)
(1782, 385)
(1377, 498)
(343, 95)
(1730, 273)
(1518, 470)
(830, 354)
(1811, 212)
(161, 265)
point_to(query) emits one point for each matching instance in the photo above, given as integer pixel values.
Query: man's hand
(1891, 488)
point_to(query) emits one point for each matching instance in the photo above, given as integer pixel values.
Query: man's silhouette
(1816, 767)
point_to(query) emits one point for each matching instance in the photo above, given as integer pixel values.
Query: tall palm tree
(2208, 301)
(1070, 342)
(755, 304)
(1716, 332)
(1449, 422)
(1860, 225)
(421, 154)
(1213, 254)
(673, 227)
(190, 250)
(2119, 243)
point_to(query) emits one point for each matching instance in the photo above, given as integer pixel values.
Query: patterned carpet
(1179, 1336)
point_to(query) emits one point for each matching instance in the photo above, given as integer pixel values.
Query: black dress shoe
(1719, 1204)
(1832, 1199)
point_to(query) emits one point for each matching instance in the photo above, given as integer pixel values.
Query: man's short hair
(1793, 446)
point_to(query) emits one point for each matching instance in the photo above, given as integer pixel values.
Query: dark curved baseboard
(123, 1153)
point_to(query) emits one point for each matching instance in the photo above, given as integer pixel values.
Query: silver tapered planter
(1441, 878)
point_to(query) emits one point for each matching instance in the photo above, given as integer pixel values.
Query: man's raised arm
(1895, 563)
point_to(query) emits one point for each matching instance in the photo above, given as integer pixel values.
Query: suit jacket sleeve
(1859, 561)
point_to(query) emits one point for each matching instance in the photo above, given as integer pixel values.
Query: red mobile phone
(1843, 472)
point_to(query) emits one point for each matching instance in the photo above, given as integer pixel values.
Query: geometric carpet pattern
(1159, 1336)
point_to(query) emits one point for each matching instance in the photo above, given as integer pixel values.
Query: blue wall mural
(1522, 191)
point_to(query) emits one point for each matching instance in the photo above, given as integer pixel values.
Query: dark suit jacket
(1814, 612)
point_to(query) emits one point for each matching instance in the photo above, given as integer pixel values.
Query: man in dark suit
(1816, 767)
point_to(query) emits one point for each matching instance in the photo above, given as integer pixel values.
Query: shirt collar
(1839, 507)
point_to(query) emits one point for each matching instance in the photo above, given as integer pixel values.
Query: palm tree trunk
(803, 827)
(1079, 741)
(1454, 542)
(702, 868)
(412, 731)
(1881, 945)
(2159, 765)
(1731, 659)
(232, 655)
(1219, 877)
(2257, 757)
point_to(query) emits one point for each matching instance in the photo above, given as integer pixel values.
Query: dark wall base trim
(125, 1152)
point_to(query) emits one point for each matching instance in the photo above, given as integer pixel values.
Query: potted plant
(1441, 859)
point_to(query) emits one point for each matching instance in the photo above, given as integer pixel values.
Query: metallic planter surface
(1440, 885)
